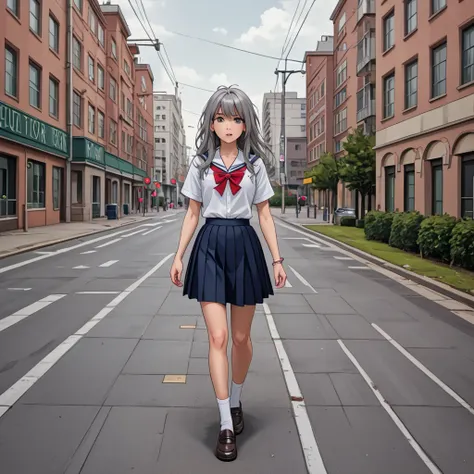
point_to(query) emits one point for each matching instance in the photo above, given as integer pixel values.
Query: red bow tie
(234, 178)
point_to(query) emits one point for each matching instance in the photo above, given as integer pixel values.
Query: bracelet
(280, 260)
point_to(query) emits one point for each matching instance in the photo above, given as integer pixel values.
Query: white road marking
(425, 370)
(152, 230)
(64, 250)
(19, 289)
(288, 284)
(386, 406)
(80, 267)
(16, 391)
(312, 245)
(43, 252)
(337, 257)
(108, 264)
(88, 252)
(301, 278)
(358, 267)
(97, 292)
(110, 242)
(314, 461)
(132, 233)
(28, 311)
(168, 221)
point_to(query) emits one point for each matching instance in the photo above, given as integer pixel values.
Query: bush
(462, 244)
(348, 221)
(378, 225)
(405, 228)
(360, 223)
(275, 201)
(434, 237)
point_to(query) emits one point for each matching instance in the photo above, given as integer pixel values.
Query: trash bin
(111, 211)
(126, 209)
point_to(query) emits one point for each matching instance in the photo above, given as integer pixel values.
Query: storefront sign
(94, 152)
(23, 128)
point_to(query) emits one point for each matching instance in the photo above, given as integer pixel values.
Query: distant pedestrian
(227, 264)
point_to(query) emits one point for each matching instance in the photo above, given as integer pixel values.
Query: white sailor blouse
(228, 193)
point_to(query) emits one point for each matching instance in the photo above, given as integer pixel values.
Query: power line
(288, 36)
(301, 26)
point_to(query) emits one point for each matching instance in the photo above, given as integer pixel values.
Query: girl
(227, 264)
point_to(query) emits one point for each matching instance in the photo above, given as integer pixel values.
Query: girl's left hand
(280, 275)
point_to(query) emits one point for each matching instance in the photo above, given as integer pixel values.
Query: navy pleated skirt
(227, 264)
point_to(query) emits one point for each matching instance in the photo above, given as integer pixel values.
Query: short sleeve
(263, 188)
(192, 187)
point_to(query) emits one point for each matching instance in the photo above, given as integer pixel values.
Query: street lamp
(283, 174)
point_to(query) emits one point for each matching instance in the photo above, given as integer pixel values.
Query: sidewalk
(18, 241)
(290, 215)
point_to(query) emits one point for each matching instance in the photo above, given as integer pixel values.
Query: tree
(357, 167)
(326, 175)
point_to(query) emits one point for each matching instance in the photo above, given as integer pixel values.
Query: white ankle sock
(235, 392)
(226, 417)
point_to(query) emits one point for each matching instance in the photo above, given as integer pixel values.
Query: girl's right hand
(175, 272)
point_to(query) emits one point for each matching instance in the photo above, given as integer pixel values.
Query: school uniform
(227, 263)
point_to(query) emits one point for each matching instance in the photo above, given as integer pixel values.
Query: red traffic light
(157, 185)
(172, 181)
(147, 180)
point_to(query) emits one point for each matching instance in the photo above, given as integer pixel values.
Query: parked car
(343, 212)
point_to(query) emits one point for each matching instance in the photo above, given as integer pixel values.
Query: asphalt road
(89, 331)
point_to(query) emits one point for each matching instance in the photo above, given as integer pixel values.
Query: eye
(238, 120)
(219, 119)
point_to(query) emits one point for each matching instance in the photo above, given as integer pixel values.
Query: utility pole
(283, 161)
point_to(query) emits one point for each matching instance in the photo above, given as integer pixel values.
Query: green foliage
(405, 228)
(378, 226)
(325, 174)
(357, 167)
(275, 201)
(462, 244)
(360, 223)
(348, 221)
(434, 236)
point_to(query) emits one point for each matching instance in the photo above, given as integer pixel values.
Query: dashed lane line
(108, 264)
(17, 390)
(302, 279)
(28, 311)
(312, 455)
(152, 230)
(387, 407)
(110, 242)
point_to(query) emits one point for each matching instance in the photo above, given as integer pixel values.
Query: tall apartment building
(295, 125)
(425, 106)
(170, 145)
(33, 139)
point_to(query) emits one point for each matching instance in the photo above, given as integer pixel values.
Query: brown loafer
(237, 419)
(226, 449)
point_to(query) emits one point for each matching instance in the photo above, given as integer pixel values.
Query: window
(100, 77)
(92, 21)
(322, 89)
(13, 6)
(77, 53)
(91, 69)
(411, 84)
(438, 70)
(126, 67)
(35, 85)
(437, 187)
(341, 121)
(76, 187)
(411, 8)
(341, 96)
(113, 132)
(113, 90)
(467, 186)
(100, 124)
(78, 4)
(114, 48)
(91, 119)
(100, 34)
(77, 109)
(467, 60)
(341, 75)
(56, 187)
(35, 16)
(437, 5)
(53, 34)
(409, 188)
(53, 97)
(36, 184)
(389, 188)
(8, 186)
(11, 71)
(389, 96)
(388, 31)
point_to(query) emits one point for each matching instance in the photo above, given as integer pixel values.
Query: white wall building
(295, 122)
(170, 143)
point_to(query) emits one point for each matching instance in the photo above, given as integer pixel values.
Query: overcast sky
(256, 25)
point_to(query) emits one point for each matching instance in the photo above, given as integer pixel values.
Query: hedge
(434, 237)
(378, 225)
(348, 221)
(462, 244)
(405, 228)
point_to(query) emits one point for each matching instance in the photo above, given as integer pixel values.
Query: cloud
(219, 29)
(273, 22)
(219, 79)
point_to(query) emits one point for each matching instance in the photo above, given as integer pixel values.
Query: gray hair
(230, 100)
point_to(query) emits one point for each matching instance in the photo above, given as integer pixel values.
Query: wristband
(280, 260)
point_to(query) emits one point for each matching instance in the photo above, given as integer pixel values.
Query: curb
(420, 279)
(49, 243)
